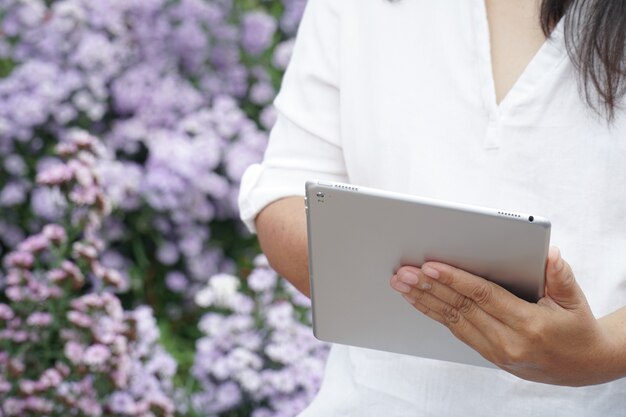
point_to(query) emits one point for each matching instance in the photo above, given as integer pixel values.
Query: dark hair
(595, 39)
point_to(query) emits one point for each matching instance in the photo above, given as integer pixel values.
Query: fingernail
(401, 286)
(558, 263)
(431, 272)
(408, 277)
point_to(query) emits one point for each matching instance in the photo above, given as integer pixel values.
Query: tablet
(359, 236)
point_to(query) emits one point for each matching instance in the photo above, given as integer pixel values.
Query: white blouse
(400, 95)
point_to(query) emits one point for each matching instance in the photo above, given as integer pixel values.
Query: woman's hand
(555, 341)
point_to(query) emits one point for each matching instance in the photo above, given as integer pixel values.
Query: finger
(490, 297)
(452, 302)
(561, 286)
(462, 329)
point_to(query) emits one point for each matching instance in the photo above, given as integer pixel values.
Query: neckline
(546, 58)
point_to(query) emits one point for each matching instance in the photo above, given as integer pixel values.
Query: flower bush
(258, 355)
(67, 347)
(179, 92)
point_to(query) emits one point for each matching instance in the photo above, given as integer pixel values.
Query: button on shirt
(399, 95)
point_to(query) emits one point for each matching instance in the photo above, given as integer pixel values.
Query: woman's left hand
(555, 341)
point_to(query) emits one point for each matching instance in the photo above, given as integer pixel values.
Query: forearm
(281, 229)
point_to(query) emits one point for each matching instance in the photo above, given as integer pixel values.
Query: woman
(498, 103)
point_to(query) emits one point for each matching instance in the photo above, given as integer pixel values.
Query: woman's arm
(281, 229)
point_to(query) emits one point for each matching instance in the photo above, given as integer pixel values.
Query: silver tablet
(359, 236)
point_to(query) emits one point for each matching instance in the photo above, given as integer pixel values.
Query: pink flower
(55, 175)
(39, 405)
(74, 352)
(113, 277)
(63, 369)
(27, 387)
(13, 407)
(39, 319)
(14, 294)
(83, 250)
(6, 313)
(92, 300)
(5, 386)
(57, 275)
(14, 277)
(20, 259)
(65, 149)
(34, 244)
(83, 173)
(90, 407)
(52, 377)
(20, 336)
(96, 355)
(83, 140)
(84, 196)
(74, 272)
(79, 319)
(54, 233)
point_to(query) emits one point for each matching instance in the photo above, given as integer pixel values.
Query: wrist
(610, 356)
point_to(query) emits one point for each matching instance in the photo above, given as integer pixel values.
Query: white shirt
(399, 95)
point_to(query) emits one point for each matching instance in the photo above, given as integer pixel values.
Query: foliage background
(179, 93)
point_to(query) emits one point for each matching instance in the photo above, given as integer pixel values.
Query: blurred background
(128, 285)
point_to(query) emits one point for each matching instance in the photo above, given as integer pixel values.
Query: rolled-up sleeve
(305, 142)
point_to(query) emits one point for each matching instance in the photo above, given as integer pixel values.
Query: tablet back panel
(358, 238)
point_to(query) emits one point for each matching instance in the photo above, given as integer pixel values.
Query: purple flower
(168, 253)
(14, 164)
(165, 84)
(290, 19)
(122, 403)
(47, 203)
(13, 193)
(282, 54)
(268, 117)
(262, 279)
(122, 183)
(258, 31)
(262, 93)
(176, 281)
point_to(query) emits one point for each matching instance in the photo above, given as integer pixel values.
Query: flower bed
(178, 93)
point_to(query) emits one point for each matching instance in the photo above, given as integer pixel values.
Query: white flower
(249, 380)
(205, 297)
(224, 288)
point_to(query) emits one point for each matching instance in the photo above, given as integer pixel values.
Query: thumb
(561, 286)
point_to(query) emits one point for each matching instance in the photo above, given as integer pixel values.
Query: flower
(75, 338)
(266, 353)
(258, 30)
(179, 94)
